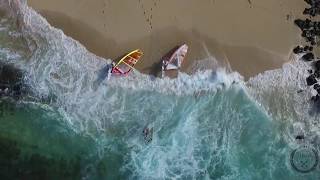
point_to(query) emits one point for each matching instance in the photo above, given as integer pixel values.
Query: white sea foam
(286, 96)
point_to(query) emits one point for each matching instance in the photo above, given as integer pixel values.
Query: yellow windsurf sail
(127, 63)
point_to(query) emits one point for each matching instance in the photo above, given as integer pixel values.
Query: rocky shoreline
(311, 33)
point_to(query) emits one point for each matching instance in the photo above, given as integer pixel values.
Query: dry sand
(252, 35)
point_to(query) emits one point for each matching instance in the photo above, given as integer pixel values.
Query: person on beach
(109, 70)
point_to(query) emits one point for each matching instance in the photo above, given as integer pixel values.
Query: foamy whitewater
(73, 124)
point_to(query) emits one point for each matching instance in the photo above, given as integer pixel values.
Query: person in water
(300, 137)
(147, 134)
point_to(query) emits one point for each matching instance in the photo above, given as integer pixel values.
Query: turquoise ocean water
(69, 124)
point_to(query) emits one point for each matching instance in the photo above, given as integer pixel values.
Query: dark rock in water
(311, 80)
(310, 38)
(307, 23)
(310, 48)
(307, 48)
(308, 57)
(317, 65)
(315, 98)
(298, 49)
(317, 74)
(307, 34)
(317, 88)
(312, 33)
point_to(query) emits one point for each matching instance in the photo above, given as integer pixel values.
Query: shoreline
(249, 53)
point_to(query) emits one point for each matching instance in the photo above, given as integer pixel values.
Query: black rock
(304, 33)
(300, 23)
(313, 11)
(308, 22)
(310, 11)
(298, 50)
(309, 39)
(308, 57)
(317, 74)
(307, 48)
(308, 1)
(317, 88)
(311, 2)
(311, 80)
(310, 35)
(315, 98)
(317, 65)
(310, 71)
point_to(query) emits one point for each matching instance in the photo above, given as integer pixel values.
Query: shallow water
(71, 125)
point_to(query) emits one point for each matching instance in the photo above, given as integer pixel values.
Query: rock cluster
(314, 8)
(311, 33)
(310, 29)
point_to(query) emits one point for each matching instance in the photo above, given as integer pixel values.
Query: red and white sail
(175, 59)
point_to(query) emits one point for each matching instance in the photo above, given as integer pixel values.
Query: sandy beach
(251, 35)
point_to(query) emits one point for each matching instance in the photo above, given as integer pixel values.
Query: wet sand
(253, 36)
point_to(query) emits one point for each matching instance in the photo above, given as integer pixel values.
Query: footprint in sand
(250, 3)
(148, 14)
(103, 11)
